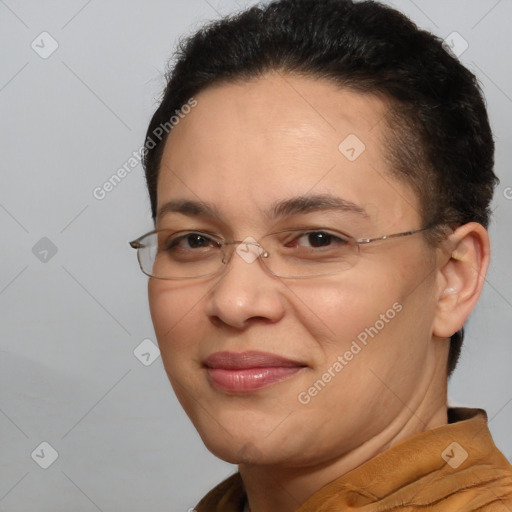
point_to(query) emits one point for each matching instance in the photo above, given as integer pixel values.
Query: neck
(271, 488)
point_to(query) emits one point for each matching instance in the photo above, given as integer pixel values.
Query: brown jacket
(453, 468)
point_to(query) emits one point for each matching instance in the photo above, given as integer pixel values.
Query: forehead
(257, 142)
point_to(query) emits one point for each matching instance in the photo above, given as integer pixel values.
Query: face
(357, 346)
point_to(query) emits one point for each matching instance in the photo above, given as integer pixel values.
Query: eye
(318, 239)
(189, 241)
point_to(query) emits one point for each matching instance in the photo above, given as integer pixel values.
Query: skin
(244, 147)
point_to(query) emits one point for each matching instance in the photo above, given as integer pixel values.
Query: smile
(248, 371)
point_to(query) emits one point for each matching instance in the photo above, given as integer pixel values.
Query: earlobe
(461, 278)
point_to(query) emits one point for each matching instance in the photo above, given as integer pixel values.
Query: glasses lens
(293, 253)
(179, 255)
(309, 253)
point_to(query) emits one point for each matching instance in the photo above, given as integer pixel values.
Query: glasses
(293, 253)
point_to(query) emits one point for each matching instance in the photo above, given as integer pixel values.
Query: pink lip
(242, 372)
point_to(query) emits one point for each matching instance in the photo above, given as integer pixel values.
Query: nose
(245, 292)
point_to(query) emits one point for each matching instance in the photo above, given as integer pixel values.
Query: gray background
(70, 321)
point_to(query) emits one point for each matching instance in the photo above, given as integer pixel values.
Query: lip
(243, 372)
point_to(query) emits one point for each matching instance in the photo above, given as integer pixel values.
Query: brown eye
(317, 239)
(196, 240)
(189, 241)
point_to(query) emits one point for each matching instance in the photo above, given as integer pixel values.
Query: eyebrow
(285, 208)
(313, 203)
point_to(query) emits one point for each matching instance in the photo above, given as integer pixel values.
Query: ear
(461, 277)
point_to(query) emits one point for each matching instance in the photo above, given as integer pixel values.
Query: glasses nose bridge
(249, 249)
(227, 248)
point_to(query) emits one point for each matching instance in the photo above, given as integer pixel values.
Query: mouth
(243, 372)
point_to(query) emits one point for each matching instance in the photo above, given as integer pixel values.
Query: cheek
(179, 331)
(365, 320)
(337, 311)
(174, 312)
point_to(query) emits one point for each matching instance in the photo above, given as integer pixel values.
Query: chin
(252, 450)
(238, 448)
(236, 452)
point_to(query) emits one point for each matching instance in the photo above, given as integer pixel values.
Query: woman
(320, 174)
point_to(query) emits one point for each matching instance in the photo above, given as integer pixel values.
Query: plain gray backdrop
(73, 302)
